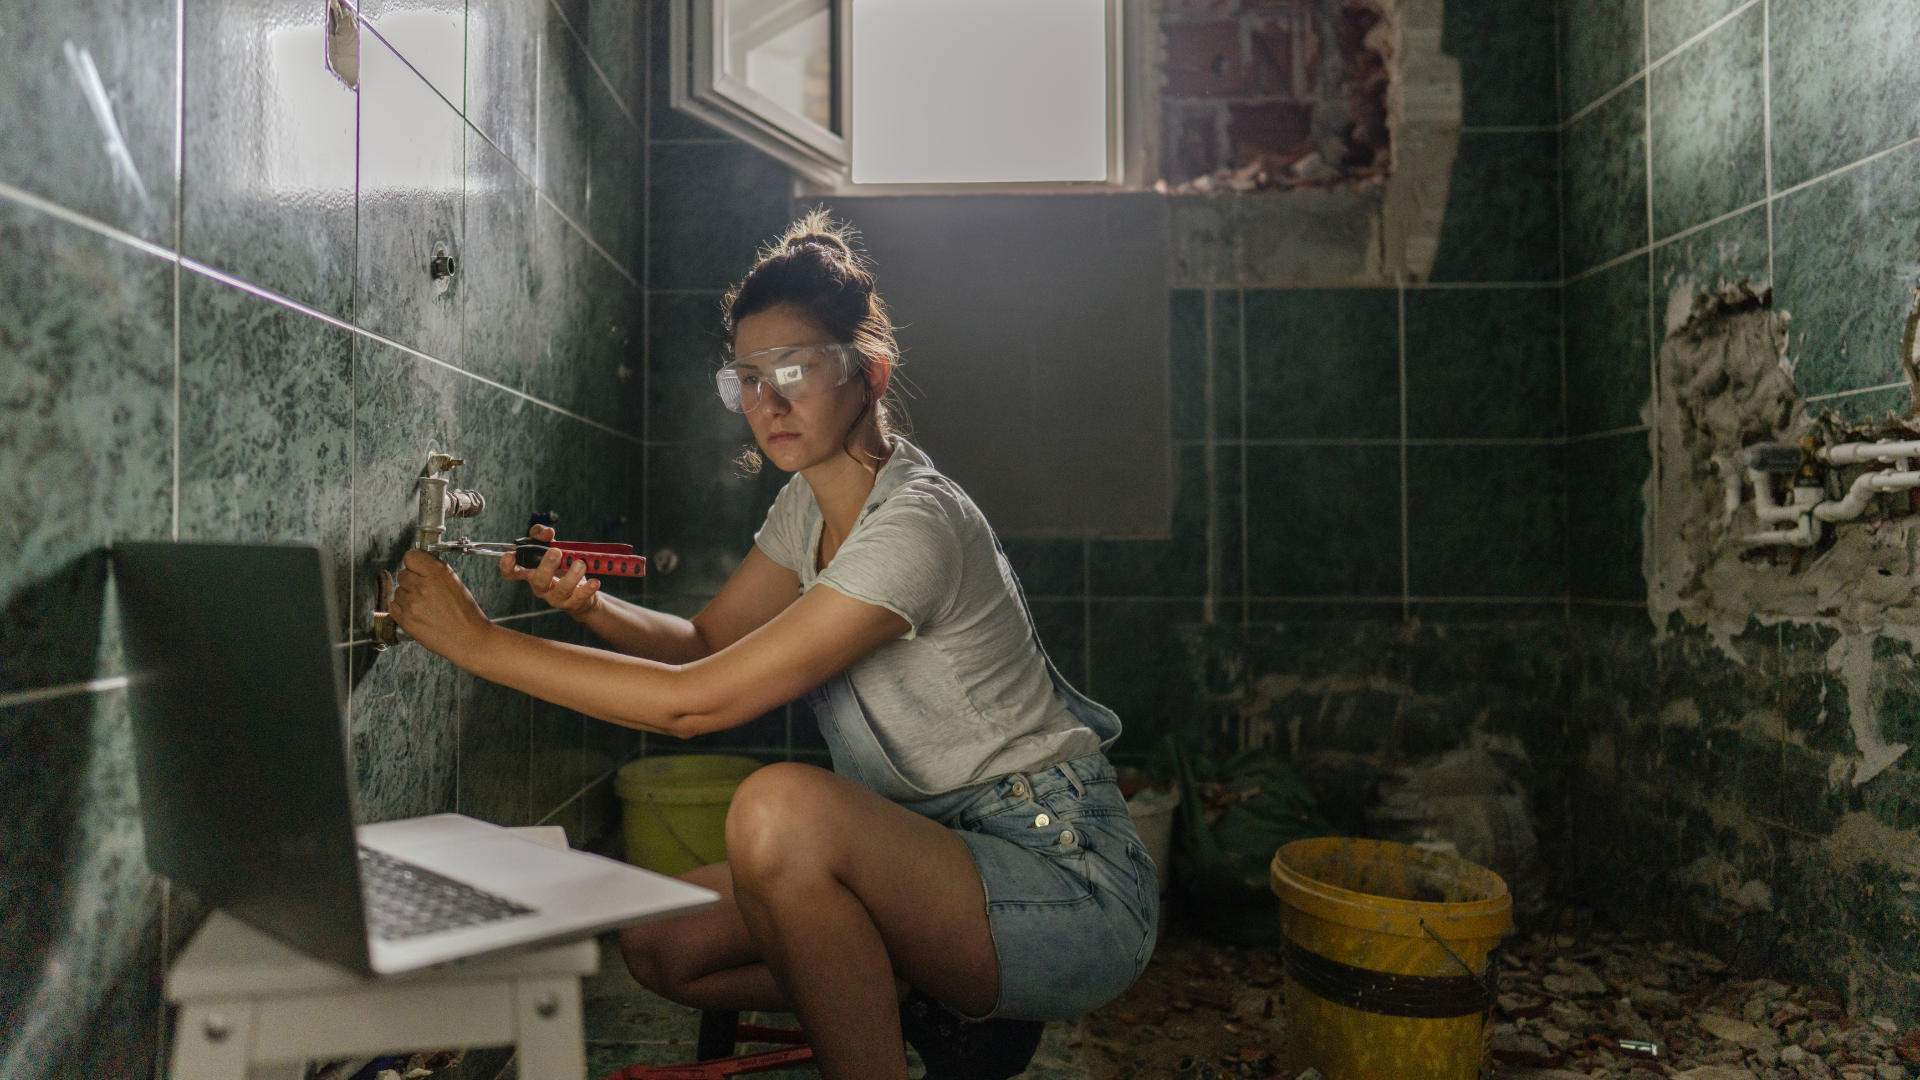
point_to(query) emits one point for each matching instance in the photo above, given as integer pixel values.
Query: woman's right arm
(759, 590)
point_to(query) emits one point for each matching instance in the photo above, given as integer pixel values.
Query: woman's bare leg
(843, 891)
(706, 960)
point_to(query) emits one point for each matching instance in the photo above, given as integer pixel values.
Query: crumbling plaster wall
(1739, 752)
(1377, 226)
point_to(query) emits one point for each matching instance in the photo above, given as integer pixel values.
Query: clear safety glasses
(792, 371)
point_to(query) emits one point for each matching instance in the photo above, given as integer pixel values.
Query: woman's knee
(776, 818)
(646, 956)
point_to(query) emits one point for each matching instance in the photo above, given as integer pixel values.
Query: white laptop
(247, 794)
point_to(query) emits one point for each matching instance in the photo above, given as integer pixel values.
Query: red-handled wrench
(615, 560)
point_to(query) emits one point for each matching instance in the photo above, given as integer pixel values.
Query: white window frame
(822, 160)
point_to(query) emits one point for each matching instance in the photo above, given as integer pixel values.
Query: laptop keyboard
(405, 901)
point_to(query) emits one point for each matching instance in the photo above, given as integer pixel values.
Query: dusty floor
(1205, 1011)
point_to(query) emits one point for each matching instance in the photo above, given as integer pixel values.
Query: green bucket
(675, 809)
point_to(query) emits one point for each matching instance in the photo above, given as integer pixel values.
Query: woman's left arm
(822, 633)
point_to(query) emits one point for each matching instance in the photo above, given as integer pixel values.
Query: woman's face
(795, 435)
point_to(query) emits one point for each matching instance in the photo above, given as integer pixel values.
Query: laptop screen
(240, 738)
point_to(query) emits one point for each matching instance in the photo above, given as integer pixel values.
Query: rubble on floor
(1568, 1007)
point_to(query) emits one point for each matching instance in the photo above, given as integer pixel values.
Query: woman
(970, 846)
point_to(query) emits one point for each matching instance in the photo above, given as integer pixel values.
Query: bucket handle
(1490, 980)
(695, 856)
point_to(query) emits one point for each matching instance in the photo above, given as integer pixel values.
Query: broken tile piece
(1735, 1031)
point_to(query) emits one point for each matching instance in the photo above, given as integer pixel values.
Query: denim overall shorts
(1072, 899)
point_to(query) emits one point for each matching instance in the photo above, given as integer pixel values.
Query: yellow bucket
(1386, 951)
(674, 809)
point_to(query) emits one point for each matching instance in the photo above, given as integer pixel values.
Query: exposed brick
(1286, 55)
(1277, 128)
(1363, 84)
(1192, 146)
(1204, 59)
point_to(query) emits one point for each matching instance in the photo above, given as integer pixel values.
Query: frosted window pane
(979, 91)
(783, 49)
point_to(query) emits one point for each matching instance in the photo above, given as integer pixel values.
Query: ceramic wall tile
(713, 206)
(1849, 300)
(616, 36)
(266, 415)
(80, 942)
(687, 345)
(1486, 520)
(706, 509)
(1720, 256)
(1229, 526)
(1606, 181)
(1483, 363)
(1602, 44)
(1507, 52)
(269, 190)
(1604, 512)
(503, 65)
(430, 35)
(565, 81)
(412, 166)
(617, 190)
(1709, 127)
(495, 767)
(1188, 361)
(1175, 567)
(1843, 84)
(563, 267)
(499, 273)
(1140, 667)
(1672, 23)
(1502, 221)
(1322, 364)
(1055, 569)
(1609, 349)
(86, 104)
(404, 727)
(1230, 362)
(86, 447)
(1298, 497)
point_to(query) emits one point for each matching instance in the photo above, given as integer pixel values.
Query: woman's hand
(433, 605)
(572, 592)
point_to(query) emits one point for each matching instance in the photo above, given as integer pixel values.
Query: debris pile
(1615, 1005)
(1596, 1005)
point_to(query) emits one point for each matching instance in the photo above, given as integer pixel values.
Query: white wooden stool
(251, 1006)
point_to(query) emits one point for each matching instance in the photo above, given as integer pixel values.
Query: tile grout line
(1649, 65)
(1560, 221)
(1209, 438)
(1766, 115)
(1246, 579)
(1406, 559)
(1653, 341)
(71, 217)
(1902, 385)
(163, 1033)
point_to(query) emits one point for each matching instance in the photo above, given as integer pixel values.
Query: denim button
(1066, 836)
(1042, 821)
(1019, 788)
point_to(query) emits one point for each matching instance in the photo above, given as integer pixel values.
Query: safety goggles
(792, 371)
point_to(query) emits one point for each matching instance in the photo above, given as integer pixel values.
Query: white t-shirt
(963, 696)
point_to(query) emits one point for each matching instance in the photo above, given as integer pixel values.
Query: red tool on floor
(719, 1034)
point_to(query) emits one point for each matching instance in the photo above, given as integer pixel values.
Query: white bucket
(1152, 813)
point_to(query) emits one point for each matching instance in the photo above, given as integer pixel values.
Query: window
(920, 96)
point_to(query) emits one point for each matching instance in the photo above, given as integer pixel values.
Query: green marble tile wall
(1709, 142)
(1377, 472)
(217, 323)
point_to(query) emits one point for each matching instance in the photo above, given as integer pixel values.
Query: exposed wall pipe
(1810, 507)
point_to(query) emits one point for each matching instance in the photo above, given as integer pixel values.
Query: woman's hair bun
(818, 229)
